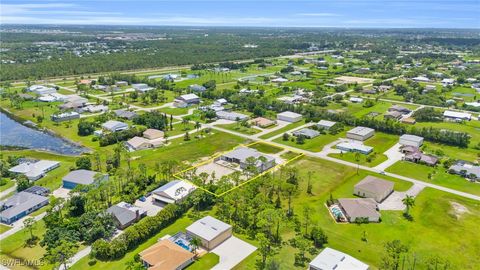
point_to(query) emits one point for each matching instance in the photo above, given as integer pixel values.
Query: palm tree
(194, 244)
(409, 202)
(197, 125)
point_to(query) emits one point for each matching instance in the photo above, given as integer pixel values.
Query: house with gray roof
(241, 156)
(373, 187)
(365, 208)
(465, 169)
(20, 205)
(114, 126)
(360, 133)
(82, 177)
(125, 114)
(306, 132)
(211, 231)
(125, 214)
(197, 88)
(325, 124)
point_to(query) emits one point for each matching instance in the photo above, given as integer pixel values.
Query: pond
(12, 133)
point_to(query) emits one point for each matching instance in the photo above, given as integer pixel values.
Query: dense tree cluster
(119, 136)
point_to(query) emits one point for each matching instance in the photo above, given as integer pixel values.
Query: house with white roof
(35, 170)
(447, 82)
(360, 133)
(354, 147)
(356, 100)
(288, 116)
(114, 126)
(173, 192)
(186, 100)
(233, 116)
(325, 124)
(412, 140)
(421, 79)
(41, 89)
(241, 155)
(142, 87)
(456, 116)
(331, 259)
(211, 231)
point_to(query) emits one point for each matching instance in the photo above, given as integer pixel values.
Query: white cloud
(321, 14)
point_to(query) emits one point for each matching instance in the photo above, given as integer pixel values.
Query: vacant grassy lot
(426, 236)
(439, 176)
(283, 130)
(8, 184)
(4, 228)
(239, 128)
(316, 144)
(266, 148)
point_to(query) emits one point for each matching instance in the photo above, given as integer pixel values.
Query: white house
(288, 116)
(356, 100)
(331, 259)
(172, 192)
(360, 133)
(211, 231)
(233, 116)
(325, 124)
(412, 140)
(456, 116)
(35, 170)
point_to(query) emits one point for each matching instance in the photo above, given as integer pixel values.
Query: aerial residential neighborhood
(169, 135)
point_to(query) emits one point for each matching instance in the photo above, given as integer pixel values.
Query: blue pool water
(182, 244)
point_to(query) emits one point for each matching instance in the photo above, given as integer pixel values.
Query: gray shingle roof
(21, 202)
(82, 177)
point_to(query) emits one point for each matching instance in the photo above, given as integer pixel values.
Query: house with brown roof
(373, 187)
(166, 255)
(138, 143)
(153, 134)
(365, 208)
(262, 122)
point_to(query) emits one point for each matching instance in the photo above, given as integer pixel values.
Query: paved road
(322, 155)
(8, 191)
(78, 256)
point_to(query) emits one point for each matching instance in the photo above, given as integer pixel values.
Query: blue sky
(302, 13)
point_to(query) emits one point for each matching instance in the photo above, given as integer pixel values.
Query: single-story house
(35, 170)
(354, 147)
(125, 114)
(125, 214)
(262, 122)
(400, 109)
(331, 259)
(325, 124)
(153, 134)
(211, 231)
(42, 90)
(394, 115)
(373, 187)
(279, 80)
(138, 143)
(465, 169)
(173, 192)
(142, 87)
(240, 155)
(20, 205)
(360, 208)
(66, 116)
(288, 116)
(360, 133)
(456, 116)
(412, 140)
(81, 177)
(233, 116)
(220, 102)
(356, 100)
(197, 88)
(447, 81)
(186, 100)
(166, 255)
(121, 83)
(94, 108)
(408, 120)
(114, 126)
(421, 79)
(306, 132)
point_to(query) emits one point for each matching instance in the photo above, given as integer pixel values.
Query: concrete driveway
(150, 206)
(232, 252)
(393, 155)
(394, 201)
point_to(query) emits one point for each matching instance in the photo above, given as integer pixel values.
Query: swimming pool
(183, 244)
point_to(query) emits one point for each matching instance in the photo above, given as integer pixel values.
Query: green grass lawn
(266, 148)
(283, 130)
(175, 111)
(468, 154)
(207, 261)
(9, 183)
(426, 235)
(4, 228)
(316, 144)
(14, 247)
(470, 127)
(239, 128)
(439, 176)
(181, 128)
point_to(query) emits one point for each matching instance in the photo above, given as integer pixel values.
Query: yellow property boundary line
(177, 175)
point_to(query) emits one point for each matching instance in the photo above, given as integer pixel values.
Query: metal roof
(208, 227)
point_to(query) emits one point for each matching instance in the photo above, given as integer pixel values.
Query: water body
(13, 133)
